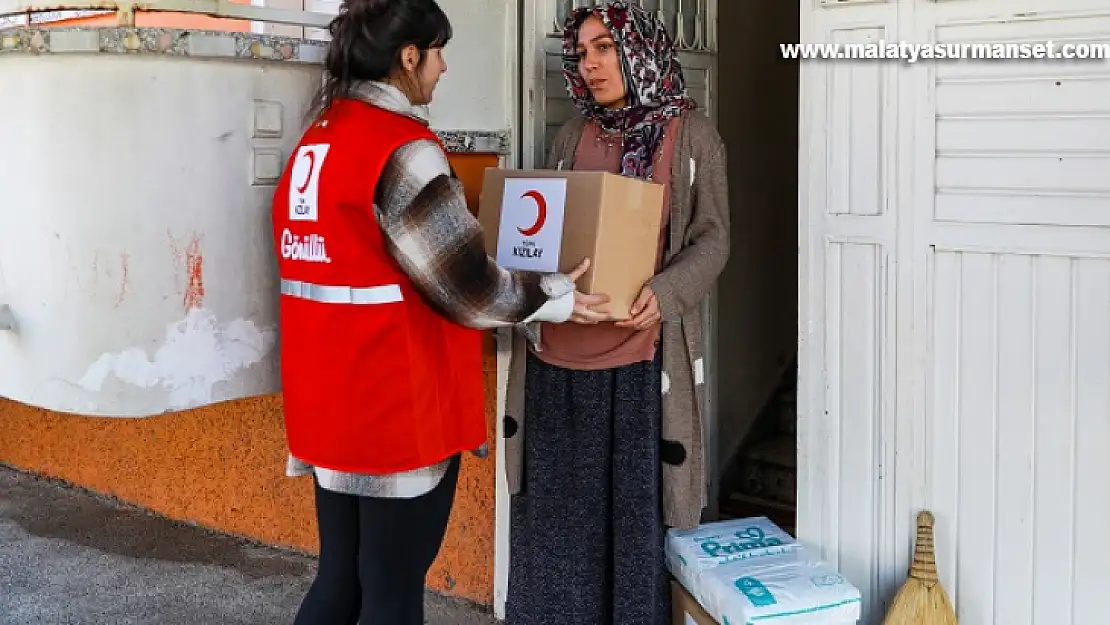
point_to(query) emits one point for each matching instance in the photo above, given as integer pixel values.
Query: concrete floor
(68, 557)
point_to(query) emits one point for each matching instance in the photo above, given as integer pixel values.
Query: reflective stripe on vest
(387, 294)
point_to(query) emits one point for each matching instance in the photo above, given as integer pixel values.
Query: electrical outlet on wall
(266, 167)
(266, 120)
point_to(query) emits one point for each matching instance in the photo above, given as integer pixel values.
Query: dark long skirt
(587, 529)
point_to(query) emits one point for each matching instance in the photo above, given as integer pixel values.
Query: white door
(955, 342)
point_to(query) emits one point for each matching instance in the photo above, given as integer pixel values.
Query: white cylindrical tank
(136, 254)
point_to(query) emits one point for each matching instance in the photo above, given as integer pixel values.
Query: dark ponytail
(367, 38)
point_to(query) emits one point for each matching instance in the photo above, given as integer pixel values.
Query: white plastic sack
(714, 544)
(790, 588)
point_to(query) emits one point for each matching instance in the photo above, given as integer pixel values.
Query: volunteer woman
(603, 430)
(384, 283)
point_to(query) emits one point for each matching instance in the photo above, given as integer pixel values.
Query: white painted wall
(126, 173)
(153, 152)
(478, 91)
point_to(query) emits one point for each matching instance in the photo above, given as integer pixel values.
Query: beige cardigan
(697, 250)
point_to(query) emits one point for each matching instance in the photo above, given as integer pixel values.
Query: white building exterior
(953, 283)
(955, 288)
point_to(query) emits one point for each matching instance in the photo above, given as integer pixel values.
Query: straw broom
(922, 600)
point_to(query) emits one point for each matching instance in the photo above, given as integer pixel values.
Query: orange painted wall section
(222, 466)
(162, 19)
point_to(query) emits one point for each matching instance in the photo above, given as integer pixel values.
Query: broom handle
(924, 567)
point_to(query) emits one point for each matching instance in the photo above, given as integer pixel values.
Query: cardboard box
(548, 221)
(685, 608)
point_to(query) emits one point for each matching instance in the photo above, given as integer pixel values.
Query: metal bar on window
(687, 20)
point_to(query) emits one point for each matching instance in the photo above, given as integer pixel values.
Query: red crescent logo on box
(541, 216)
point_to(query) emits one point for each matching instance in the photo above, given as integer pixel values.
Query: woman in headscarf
(603, 427)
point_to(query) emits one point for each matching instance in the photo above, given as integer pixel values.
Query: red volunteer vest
(374, 380)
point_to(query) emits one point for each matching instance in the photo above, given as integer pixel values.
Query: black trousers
(375, 555)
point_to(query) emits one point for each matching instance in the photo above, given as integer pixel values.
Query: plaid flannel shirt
(431, 233)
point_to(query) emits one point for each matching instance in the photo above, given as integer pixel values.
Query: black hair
(367, 38)
(580, 17)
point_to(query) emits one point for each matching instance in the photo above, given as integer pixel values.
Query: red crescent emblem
(311, 166)
(541, 217)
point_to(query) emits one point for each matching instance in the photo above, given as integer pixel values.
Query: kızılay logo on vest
(304, 206)
(301, 188)
(304, 187)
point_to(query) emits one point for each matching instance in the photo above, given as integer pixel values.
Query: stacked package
(748, 571)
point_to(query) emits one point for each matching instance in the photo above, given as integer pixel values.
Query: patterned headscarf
(652, 77)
